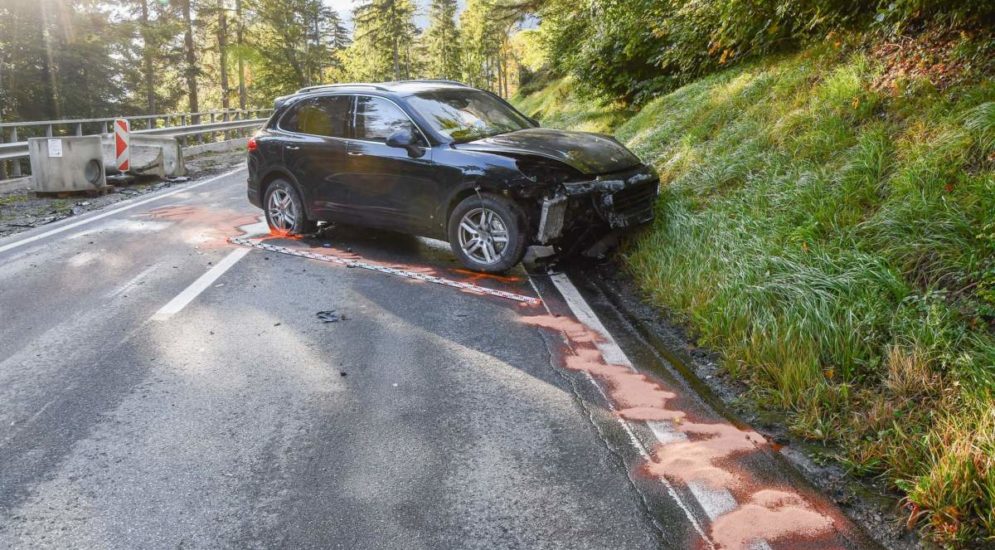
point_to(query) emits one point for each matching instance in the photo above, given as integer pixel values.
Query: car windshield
(467, 115)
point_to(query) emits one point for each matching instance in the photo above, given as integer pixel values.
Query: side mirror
(405, 139)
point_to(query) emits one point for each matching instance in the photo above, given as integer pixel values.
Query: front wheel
(285, 210)
(487, 233)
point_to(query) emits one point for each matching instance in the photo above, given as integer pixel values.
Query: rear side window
(377, 119)
(319, 116)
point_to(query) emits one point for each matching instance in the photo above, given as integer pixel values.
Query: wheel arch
(280, 173)
(454, 199)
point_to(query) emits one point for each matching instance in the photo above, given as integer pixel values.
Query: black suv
(443, 160)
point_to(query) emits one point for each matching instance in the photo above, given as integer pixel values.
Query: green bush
(633, 50)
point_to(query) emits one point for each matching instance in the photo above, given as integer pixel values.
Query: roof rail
(340, 85)
(432, 80)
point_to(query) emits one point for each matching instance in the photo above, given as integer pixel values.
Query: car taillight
(252, 144)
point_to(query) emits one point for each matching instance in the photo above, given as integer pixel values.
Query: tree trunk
(504, 72)
(239, 30)
(3, 164)
(393, 20)
(147, 59)
(48, 66)
(317, 47)
(500, 72)
(223, 54)
(191, 72)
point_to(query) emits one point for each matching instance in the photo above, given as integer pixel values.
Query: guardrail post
(3, 165)
(17, 162)
(79, 128)
(48, 130)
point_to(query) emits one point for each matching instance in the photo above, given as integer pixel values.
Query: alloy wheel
(282, 210)
(483, 235)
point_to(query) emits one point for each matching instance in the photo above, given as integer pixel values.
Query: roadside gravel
(22, 210)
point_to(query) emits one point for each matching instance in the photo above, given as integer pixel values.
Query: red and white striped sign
(122, 137)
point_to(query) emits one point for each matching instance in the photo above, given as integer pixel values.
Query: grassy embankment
(828, 225)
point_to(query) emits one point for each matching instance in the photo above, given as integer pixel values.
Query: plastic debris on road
(330, 316)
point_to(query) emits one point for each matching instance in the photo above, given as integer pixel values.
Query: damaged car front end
(580, 211)
(585, 189)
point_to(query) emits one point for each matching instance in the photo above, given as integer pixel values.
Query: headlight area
(613, 202)
(547, 171)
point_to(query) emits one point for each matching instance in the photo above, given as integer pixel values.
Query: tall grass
(837, 245)
(558, 107)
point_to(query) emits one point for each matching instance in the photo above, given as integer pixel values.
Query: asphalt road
(161, 387)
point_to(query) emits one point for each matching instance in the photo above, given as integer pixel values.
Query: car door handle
(293, 148)
(355, 154)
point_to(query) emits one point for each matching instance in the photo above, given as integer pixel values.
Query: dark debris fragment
(330, 316)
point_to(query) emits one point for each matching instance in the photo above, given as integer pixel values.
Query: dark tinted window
(466, 115)
(320, 116)
(377, 119)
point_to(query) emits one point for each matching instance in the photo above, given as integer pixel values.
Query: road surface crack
(600, 432)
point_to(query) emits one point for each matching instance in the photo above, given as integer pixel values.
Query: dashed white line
(102, 215)
(131, 283)
(183, 298)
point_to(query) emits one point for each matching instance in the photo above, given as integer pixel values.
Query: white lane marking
(636, 442)
(124, 226)
(102, 215)
(714, 502)
(131, 283)
(609, 349)
(182, 299)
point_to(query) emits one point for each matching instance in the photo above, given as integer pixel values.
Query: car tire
(487, 233)
(284, 210)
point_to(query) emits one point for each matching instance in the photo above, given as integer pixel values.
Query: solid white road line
(714, 502)
(102, 215)
(182, 299)
(583, 311)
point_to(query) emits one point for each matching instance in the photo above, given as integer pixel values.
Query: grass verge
(827, 223)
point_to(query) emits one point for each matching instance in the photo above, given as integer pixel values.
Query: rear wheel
(285, 210)
(487, 233)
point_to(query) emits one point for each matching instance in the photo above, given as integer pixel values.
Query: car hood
(588, 153)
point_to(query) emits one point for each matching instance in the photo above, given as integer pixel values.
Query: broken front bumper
(618, 200)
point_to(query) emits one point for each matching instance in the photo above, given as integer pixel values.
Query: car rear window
(319, 116)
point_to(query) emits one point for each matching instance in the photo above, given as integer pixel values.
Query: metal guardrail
(203, 125)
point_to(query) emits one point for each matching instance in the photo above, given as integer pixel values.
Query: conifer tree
(442, 42)
(384, 36)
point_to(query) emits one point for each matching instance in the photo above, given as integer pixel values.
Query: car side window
(320, 116)
(377, 119)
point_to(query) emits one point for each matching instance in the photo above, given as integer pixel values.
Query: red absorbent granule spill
(629, 390)
(476, 277)
(651, 414)
(577, 332)
(770, 515)
(201, 226)
(696, 460)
